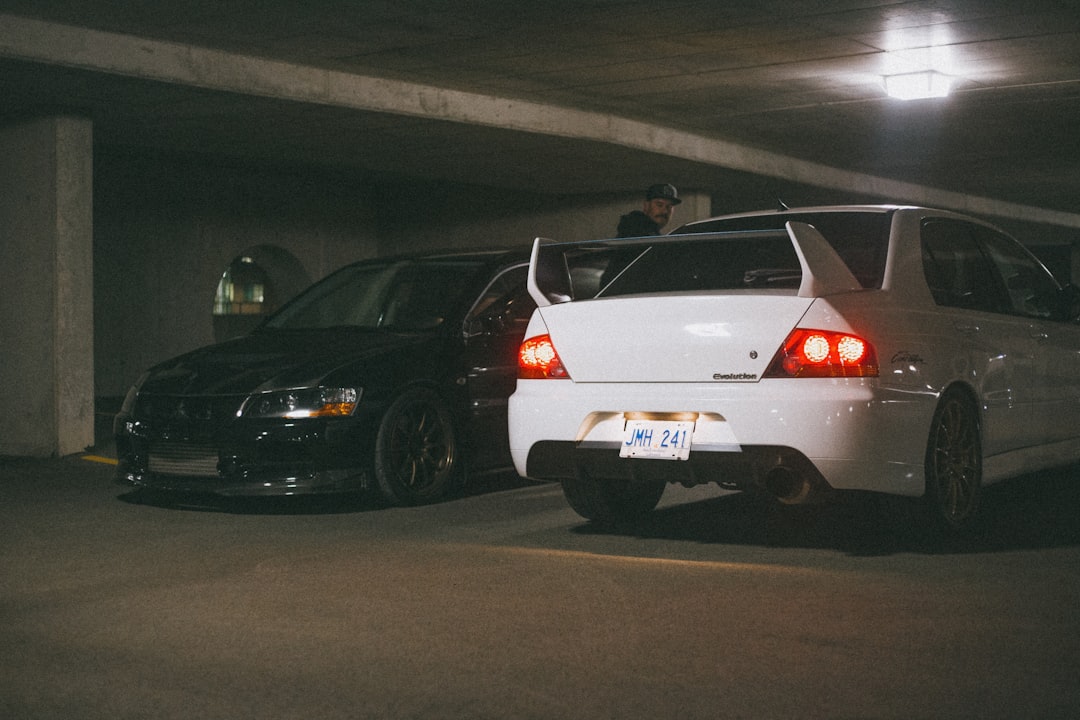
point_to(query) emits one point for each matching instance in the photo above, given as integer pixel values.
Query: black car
(391, 373)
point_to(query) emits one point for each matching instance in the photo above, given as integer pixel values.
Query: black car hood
(280, 359)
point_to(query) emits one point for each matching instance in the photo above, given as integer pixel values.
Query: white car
(899, 350)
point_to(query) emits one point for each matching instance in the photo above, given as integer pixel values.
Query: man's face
(659, 210)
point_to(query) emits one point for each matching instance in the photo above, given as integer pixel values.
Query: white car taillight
(537, 360)
(822, 353)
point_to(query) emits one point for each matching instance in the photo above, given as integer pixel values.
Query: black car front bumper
(243, 458)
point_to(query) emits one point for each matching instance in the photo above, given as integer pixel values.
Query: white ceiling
(797, 79)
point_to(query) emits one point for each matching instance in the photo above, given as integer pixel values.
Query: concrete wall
(168, 227)
(442, 215)
(46, 292)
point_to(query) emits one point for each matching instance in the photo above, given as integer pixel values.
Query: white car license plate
(659, 439)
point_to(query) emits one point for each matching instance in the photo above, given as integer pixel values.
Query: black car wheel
(953, 463)
(416, 450)
(606, 500)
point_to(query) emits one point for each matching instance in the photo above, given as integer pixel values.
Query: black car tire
(607, 500)
(953, 464)
(416, 449)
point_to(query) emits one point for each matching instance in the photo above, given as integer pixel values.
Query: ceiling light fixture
(917, 85)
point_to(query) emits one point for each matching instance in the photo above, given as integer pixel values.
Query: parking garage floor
(504, 604)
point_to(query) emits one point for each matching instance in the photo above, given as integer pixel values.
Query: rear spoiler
(823, 272)
(549, 274)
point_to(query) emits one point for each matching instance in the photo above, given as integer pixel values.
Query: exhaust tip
(788, 486)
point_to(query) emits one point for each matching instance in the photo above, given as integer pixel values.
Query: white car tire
(953, 463)
(608, 500)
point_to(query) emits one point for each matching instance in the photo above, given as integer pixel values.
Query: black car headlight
(302, 403)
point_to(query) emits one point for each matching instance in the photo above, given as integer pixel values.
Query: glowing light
(850, 349)
(917, 85)
(538, 360)
(816, 348)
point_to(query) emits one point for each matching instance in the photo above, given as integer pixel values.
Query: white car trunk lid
(672, 338)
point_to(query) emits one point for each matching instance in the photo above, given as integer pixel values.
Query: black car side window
(957, 270)
(505, 306)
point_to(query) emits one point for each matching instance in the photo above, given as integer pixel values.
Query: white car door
(998, 345)
(1036, 297)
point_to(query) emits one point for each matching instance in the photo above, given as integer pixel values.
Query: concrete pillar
(46, 287)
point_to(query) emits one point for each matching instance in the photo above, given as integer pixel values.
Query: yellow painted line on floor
(646, 561)
(100, 459)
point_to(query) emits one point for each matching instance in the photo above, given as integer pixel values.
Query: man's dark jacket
(636, 224)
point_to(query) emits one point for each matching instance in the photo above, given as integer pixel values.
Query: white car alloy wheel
(954, 463)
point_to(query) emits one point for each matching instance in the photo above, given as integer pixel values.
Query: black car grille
(182, 433)
(166, 410)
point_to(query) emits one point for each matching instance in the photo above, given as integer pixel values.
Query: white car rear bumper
(847, 433)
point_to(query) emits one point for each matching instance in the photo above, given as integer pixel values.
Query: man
(660, 202)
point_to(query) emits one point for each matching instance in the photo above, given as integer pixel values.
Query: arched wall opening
(256, 282)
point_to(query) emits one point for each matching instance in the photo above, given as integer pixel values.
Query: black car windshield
(398, 295)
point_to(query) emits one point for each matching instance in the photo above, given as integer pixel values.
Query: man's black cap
(665, 191)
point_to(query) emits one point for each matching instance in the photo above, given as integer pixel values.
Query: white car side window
(957, 270)
(1032, 291)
